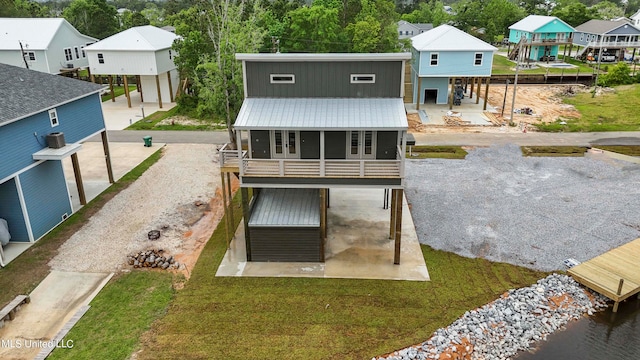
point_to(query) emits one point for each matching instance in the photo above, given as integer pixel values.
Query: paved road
(478, 139)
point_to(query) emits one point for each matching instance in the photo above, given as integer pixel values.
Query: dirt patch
(544, 101)
(182, 120)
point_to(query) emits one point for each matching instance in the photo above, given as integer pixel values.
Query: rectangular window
(434, 59)
(53, 117)
(283, 78)
(77, 52)
(581, 36)
(363, 78)
(368, 142)
(100, 59)
(355, 142)
(292, 142)
(170, 56)
(278, 141)
(29, 55)
(478, 60)
(67, 54)
(84, 55)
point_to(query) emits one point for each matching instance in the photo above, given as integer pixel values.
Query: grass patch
(112, 331)
(152, 121)
(504, 66)
(305, 318)
(117, 90)
(554, 151)
(436, 152)
(615, 111)
(631, 150)
(23, 274)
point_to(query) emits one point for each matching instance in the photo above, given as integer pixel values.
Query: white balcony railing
(229, 156)
(335, 168)
(613, 44)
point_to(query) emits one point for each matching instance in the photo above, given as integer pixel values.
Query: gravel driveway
(171, 195)
(533, 212)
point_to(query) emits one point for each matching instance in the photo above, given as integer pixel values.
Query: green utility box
(147, 141)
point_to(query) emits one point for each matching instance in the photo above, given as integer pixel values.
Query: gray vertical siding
(11, 211)
(285, 244)
(46, 196)
(324, 79)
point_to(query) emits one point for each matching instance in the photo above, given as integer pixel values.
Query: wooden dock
(614, 274)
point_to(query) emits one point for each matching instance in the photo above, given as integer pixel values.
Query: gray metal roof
(287, 207)
(604, 26)
(322, 114)
(26, 92)
(323, 57)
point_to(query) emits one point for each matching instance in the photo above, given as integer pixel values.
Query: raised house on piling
(445, 56)
(313, 122)
(612, 38)
(44, 119)
(539, 38)
(143, 52)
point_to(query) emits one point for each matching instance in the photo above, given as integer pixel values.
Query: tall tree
(92, 17)
(232, 28)
(573, 12)
(313, 29)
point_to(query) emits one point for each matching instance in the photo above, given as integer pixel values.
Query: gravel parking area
(171, 196)
(528, 211)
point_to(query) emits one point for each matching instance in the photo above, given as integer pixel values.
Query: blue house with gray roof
(44, 118)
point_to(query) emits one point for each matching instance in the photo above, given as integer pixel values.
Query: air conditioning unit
(69, 66)
(55, 140)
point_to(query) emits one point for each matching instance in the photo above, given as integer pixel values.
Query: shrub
(620, 74)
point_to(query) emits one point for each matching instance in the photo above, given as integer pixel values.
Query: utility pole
(23, 57)
(504, 100)
(595, 85)
(515, 81)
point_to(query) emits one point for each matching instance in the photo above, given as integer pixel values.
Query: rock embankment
(509, 324)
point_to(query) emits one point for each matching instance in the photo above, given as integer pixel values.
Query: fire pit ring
(153, 235)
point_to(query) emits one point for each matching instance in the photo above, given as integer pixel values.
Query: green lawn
(615, 111)
(117, 90)
(23, 274)
(503, 66)
(112, 331)
(554, 151)
(439, 152)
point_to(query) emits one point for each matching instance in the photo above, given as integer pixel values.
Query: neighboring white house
(635, 18)
(50, 45)
(408, 30)
(143, 51)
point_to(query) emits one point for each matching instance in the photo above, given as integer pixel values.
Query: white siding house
(49, 45)
(143, 51)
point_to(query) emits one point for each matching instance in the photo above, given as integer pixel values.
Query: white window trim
(53, 118)
(84, 54)
(355, 78)
(100, 57)
(70, 57)
(27, 55)
(476, 58)
(431, 59)
(77, 52)
(581, 36)
(291, 81)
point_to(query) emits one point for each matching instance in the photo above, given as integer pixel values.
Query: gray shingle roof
(322, 114)
(25, 92)
(604, 26)
(291, 207)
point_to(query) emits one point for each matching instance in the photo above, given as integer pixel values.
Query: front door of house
(260, 148)
(285, 144)
(310, 144)
(361, 145)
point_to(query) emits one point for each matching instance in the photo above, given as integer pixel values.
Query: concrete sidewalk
(56, 299)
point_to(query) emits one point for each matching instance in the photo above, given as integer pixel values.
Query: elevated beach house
(314, 122)
(43, 120)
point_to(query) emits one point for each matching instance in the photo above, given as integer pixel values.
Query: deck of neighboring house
(614, 274)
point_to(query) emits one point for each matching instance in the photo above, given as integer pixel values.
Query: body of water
(603, 336)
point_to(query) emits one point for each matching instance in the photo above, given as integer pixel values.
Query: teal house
(539, 37)
(443, 57)
(44, 119)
